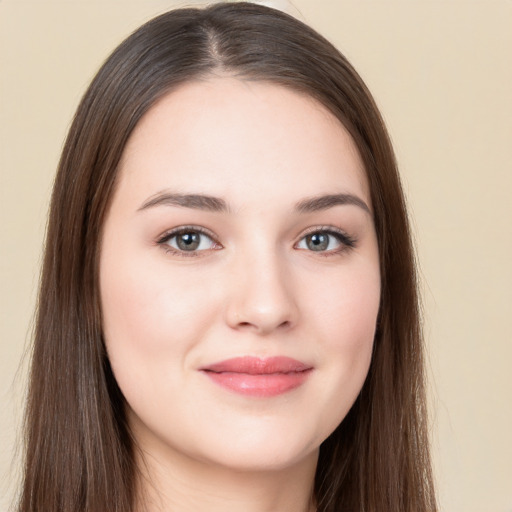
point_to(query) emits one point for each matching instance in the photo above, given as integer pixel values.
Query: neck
(188, 486)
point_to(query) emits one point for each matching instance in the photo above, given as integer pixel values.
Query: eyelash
(168, 235)
(346, 241)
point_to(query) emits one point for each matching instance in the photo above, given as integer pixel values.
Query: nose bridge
(262, 297)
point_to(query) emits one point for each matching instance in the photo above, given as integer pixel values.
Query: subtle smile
(259, 377)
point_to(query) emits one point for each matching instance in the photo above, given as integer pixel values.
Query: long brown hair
(79, 451)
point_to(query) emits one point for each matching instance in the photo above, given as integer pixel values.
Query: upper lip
(258, 366)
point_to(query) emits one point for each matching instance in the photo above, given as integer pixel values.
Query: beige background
(441, 72)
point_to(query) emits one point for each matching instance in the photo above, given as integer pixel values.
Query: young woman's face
(239, 276)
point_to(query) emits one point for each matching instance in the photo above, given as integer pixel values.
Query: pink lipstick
(259, 377)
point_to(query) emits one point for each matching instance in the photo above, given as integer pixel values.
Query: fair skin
(260, 268)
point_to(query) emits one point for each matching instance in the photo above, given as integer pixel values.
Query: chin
(262, 446)
(259, 459)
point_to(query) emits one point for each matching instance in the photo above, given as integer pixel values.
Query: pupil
(188, 241)
(318, 242)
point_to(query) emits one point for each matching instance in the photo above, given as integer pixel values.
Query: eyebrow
(194, 201)
(319, 203)
(216, 204)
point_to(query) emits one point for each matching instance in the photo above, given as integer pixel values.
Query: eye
(188, 240)
(326, 240)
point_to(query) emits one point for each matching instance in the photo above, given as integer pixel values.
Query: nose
(262, 298)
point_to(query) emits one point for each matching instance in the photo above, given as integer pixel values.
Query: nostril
(250, 325)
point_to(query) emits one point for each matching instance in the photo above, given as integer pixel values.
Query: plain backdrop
(441, 72)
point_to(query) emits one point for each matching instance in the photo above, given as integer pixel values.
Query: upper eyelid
(345, 239)
(166, 235)
(318, 229)
(326, 229)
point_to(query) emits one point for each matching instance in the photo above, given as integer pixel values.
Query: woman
(228, 316)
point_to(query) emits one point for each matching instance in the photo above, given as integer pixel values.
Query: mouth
(258, 377)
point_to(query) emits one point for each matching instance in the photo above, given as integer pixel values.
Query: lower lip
(260, 385)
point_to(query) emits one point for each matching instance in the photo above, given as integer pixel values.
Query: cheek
(151, 320)
(348, 308)
(346, 321)
(351, 319)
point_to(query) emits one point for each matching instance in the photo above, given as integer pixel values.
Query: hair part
(80, 456)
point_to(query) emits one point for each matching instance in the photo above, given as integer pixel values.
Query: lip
(258, 377)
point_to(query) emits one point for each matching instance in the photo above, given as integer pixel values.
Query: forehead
(228, 137)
